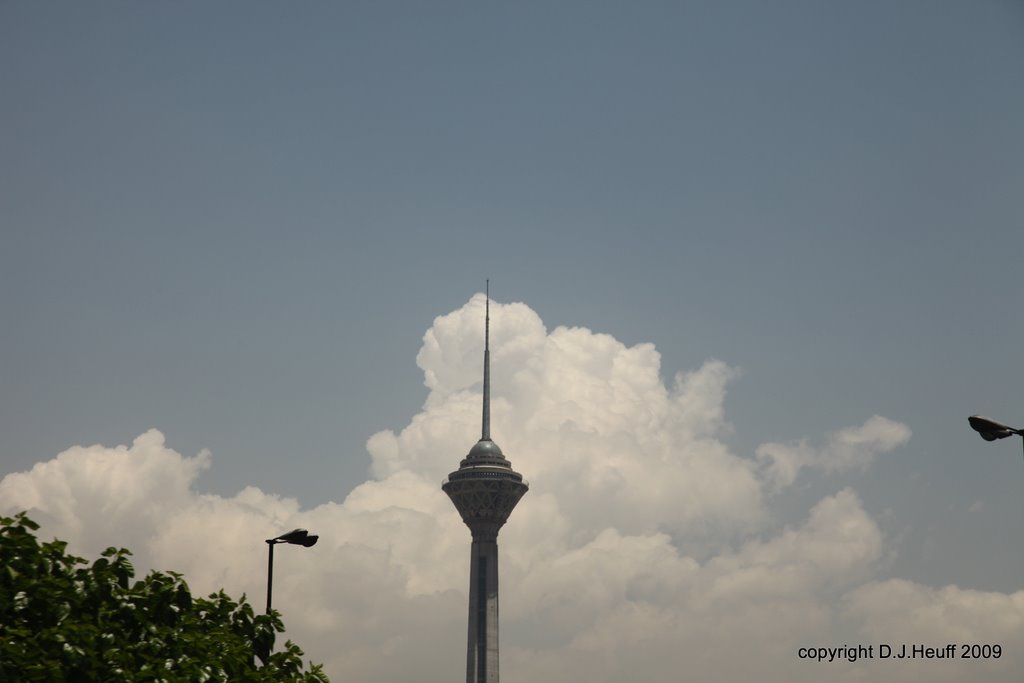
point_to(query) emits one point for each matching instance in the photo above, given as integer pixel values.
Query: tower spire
(486, 430)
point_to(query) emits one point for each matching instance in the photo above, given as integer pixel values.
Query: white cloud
(586, 418)
(900, 612)
(838, 544)
(598, 579)
(79, 490)
(850, 448)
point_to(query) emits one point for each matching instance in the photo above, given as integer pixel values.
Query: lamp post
(295, 537)
(990, 430)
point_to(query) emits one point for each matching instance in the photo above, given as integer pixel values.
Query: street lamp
(295, 537)
(990, 430)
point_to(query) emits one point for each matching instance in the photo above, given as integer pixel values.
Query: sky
(752, 265)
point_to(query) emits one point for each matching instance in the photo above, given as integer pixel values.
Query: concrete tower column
(482, 650)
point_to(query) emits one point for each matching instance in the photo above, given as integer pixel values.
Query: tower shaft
(482, 648)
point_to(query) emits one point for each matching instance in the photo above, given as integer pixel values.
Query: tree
(62, 619)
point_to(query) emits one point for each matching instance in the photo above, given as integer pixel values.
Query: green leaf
(62, 619)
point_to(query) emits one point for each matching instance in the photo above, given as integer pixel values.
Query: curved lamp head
(296, 537)
(990, 430)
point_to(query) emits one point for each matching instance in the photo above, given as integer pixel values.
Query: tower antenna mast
(486, 431)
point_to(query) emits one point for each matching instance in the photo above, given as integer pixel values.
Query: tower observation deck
(484, 489)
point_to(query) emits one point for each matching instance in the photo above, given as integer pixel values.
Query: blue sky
(234, 223)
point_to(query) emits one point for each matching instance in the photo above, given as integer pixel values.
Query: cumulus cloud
(900, 612)
(850, 448)
(80, 488)
(599, 579)
(586, 418)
